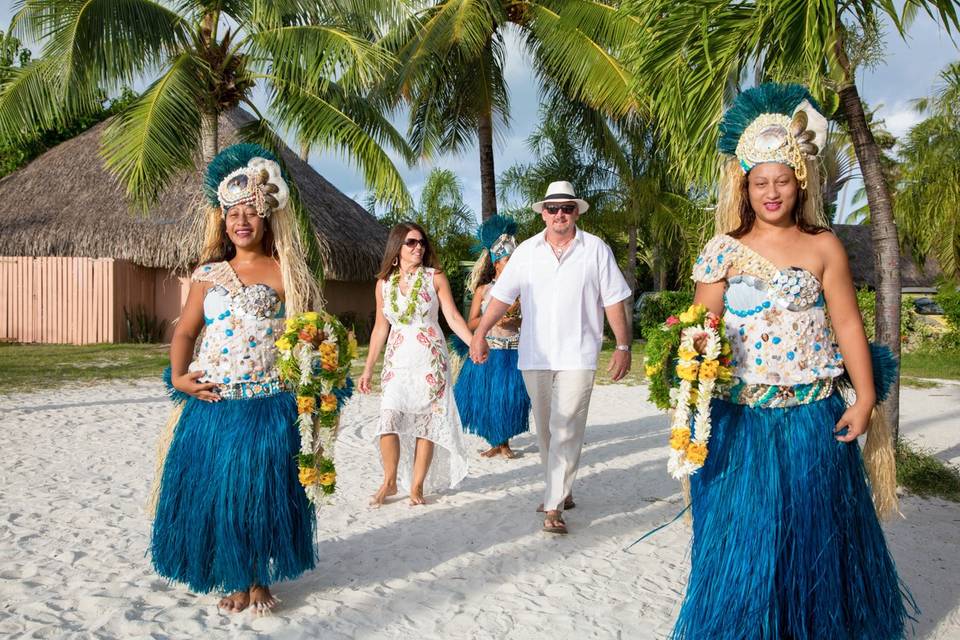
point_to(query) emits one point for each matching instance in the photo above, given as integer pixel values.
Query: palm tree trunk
(631, 275)
(304, 151)
(209, 135)
(488, 184)
(884, 234)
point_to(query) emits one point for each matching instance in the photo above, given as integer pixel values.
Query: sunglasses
(410, 243)
(554, 209)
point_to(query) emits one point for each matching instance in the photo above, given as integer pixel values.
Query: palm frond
(158, 134)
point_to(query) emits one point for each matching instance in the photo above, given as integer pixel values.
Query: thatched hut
(76, 264)
(859, 244)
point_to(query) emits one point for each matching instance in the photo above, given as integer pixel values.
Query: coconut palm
(928, 198)
(204, 57)
(452, 55)
(689, 58)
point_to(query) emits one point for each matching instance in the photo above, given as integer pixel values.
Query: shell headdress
(246, 174)
(495, 240)
(771, 123)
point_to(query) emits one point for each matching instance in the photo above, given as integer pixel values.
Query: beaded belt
(242, 390)
(503, 343)
(769, 396)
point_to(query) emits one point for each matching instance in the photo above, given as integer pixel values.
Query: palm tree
(690, 57)
(928, 199)
(452, 55)
(205, 57)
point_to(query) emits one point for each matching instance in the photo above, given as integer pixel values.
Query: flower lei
(407, 315)
(316, 352)
(688, 363)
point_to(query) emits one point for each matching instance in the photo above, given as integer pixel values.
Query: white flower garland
(687, 454)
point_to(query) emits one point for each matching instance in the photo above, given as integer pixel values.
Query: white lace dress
(417, 397)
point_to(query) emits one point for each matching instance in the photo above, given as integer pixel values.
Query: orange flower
(679, 439)
(328, 403)
(306, 404)
(308, 476)
(697, 453)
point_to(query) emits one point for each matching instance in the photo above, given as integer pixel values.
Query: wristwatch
(623, 347)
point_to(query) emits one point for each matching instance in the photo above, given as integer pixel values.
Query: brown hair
(748, 216)
(391, 256)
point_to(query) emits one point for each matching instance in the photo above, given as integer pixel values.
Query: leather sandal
(560, 526)
(568, 504)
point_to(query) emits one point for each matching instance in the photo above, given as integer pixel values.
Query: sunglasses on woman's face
(410, 243)
(554, 209)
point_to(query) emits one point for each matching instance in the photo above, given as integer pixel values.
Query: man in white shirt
(566, 280)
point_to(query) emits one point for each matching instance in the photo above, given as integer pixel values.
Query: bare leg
(421, 464)
(506, 451)
(235, 602)
(390, 454)
(261, 600)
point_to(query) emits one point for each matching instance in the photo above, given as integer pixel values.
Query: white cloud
(900, 118)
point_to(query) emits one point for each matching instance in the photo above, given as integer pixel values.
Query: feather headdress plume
(495, 241)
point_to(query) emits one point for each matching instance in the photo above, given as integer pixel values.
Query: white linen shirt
(562, 300)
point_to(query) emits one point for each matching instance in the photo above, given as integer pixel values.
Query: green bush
(913, 332)
(656, 307)
(948, 297)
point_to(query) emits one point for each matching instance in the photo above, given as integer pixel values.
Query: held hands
(189, 383)
(479, 349)
(619, 365)
(856, 420)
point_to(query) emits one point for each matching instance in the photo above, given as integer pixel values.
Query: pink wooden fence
(69, 300)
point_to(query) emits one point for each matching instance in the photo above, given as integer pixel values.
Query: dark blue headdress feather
(770, 97)
(228, 160)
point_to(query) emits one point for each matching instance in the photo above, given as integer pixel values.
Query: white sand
(77, 464)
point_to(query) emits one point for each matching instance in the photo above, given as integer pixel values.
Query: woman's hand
(364, 383)
(856, 420)
(190, 384)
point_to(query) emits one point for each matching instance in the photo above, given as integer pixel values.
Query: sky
(908, 71)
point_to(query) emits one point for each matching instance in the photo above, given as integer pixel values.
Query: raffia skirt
(231, 512)
(492, 399)
(786, 544)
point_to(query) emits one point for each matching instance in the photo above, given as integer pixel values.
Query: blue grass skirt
(491, 398)
(786, 544)
(231, 512)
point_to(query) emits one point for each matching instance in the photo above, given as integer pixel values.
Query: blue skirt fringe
(491, 398)
(231, 511)
(786, 544)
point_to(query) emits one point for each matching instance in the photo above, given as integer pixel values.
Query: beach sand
(77, 465)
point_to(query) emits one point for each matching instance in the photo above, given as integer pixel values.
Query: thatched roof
(65, 203)
(856, 238)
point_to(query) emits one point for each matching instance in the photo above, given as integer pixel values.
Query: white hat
(561, 191)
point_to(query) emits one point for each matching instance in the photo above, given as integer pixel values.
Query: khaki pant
(560, 400)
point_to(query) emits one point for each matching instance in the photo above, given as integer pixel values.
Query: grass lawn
(32, 366)
(932, 364)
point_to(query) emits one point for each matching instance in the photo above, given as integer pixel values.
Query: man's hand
(479, 349)
(619, 365)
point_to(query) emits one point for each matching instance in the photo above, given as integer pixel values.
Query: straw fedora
(561, 191)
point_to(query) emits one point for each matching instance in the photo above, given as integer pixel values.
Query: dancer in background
(418, 415)
(491, 398)
(786, 543)
(230, 513)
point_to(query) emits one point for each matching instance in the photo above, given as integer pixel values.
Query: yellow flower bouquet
(688, 363)
(316, 352)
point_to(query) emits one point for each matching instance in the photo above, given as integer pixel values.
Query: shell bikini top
(241, 324)
(775, 318)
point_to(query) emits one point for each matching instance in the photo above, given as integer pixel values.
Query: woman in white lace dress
(419, 423)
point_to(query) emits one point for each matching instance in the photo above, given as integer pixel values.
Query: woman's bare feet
(506, 451)
(261, 600)
(416, 496)
(386, 490)
(491, 452)
(235, 602)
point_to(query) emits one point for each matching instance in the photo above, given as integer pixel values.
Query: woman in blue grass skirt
(230, 513)
(786, 540)
(491, 398)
